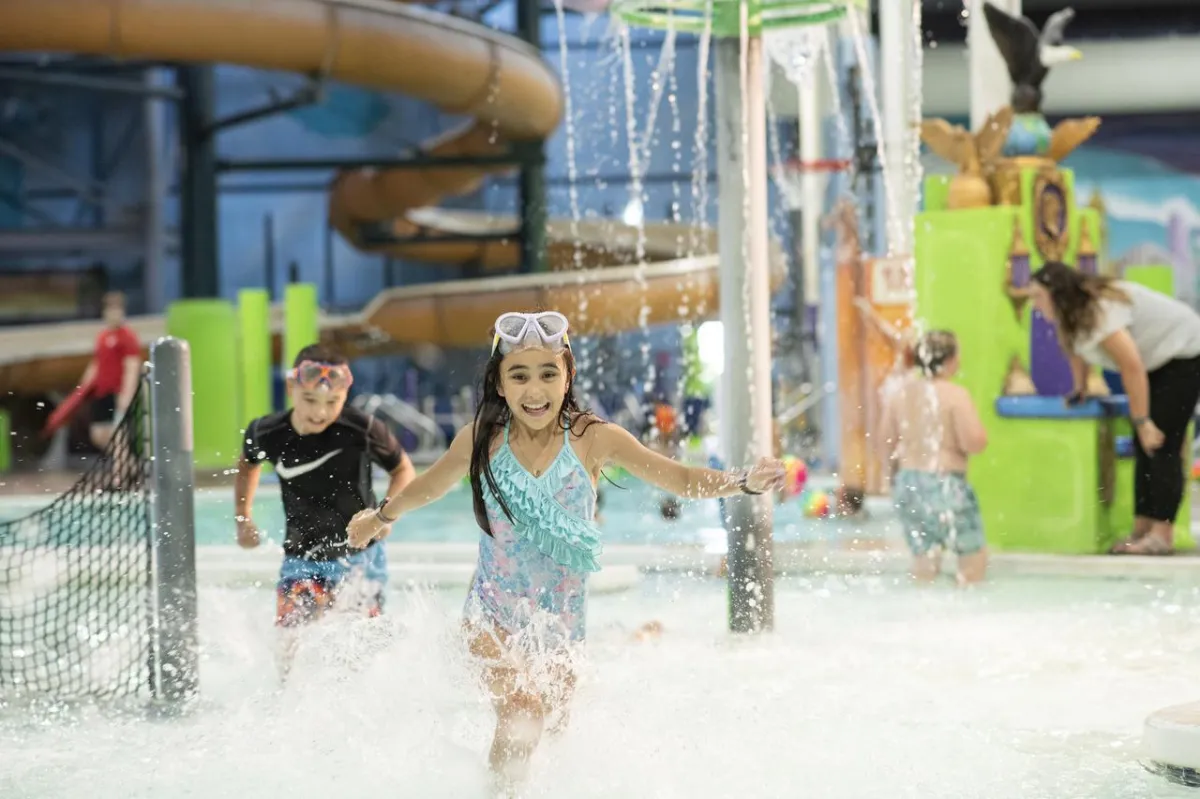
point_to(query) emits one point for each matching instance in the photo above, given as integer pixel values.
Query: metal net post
(174, 656)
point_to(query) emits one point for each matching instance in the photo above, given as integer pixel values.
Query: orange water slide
(464, 68)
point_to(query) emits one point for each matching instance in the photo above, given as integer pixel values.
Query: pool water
(629, 514)
(868, 687)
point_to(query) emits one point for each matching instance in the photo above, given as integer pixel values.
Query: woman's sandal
(1145, 545)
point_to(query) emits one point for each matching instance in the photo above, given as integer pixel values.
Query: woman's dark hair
(1075, 296)
(492, 414)
(933, 350)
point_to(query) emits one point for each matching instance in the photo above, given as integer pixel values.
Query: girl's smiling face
(533, 381)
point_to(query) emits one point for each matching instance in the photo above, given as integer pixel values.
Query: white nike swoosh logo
(292, 472)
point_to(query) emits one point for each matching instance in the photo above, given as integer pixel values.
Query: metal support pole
(746, 318)
(269, 254)
(895, 44)
(87, 83)
(198, 189)
(152, 129)
(86, 190)
(301, 99)
(811, 116)
(175, 652)
(533, 158)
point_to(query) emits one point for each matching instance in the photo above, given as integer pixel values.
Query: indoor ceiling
(1094, 19)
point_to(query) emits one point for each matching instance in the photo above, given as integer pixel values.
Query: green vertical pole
(301, 325)
(693, 373)
(210, 329)
(5, 442)
(254, 343)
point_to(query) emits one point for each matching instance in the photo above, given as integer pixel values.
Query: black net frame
(76, 579)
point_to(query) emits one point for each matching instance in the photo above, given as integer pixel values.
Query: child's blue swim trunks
(306, 588)
(938, 510)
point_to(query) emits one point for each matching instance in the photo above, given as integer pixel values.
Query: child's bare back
(932, 425)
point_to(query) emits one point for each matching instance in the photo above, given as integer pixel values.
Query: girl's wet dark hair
(1075, 296)
(933, 351)
(492, 414)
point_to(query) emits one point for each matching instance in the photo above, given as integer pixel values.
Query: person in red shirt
(112, 374)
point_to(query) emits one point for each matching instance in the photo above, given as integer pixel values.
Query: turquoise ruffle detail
(540, 519)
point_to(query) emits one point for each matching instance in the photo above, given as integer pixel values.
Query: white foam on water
(868, 687)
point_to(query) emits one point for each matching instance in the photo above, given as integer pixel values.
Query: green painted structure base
(1040, 480)
(210, 328)
(301, 320)
(254, 349)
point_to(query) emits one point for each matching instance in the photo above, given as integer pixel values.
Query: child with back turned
(930, 428)
(533, 456)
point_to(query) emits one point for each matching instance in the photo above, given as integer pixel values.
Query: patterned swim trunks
(938, 511)
(308, 588)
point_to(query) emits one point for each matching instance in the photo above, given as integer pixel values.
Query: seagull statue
(1029, 55)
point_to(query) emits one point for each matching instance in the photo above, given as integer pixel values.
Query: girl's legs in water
(520, 712)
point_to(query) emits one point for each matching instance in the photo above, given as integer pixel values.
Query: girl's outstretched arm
(614, 444)
(431, 484)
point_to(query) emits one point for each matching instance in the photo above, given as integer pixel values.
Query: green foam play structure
(254, 346)
(1053, 479)
(301, 320)
(210, 328)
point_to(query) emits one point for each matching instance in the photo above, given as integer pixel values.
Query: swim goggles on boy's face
(514, 330)
(311, 374)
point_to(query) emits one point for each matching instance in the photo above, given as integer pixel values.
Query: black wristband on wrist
(383, 517)
(742, 484)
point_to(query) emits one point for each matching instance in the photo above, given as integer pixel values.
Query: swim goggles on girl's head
(310, 374)
(546, 329)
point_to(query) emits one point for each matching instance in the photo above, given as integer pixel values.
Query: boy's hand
(248, 536)
(364, 528)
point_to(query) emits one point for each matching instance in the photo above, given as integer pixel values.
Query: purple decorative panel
(1049, 367)
(1019, 277)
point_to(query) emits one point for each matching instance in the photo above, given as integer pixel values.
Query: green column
(693, 375)
(1158, 278)
(254, 341)
(301, 326)
(5, 442)
(210, 329)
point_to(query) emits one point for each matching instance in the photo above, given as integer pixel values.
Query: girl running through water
(534, 457)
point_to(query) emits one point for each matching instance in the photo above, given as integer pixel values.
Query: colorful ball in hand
(1196, 469)
(817, 505)
(796, 478)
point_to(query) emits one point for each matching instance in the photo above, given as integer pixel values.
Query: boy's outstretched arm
(422, 489)
(614, 444)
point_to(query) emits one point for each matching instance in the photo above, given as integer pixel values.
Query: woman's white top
(1162, 328)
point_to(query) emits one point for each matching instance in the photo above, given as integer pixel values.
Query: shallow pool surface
(868, 687)
(629, 514)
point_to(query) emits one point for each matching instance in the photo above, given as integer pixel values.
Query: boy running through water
(930, 427)
(322, 452)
